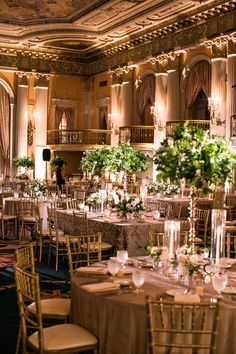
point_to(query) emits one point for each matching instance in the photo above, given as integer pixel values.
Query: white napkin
(99, 287)
(187, 298)
(92, 270)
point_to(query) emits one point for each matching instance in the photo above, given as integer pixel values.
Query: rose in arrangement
(154, 252)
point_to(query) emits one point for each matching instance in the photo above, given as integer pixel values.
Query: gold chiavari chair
(156, 238)
(8, 224)
(174, 210)
(57, 238)
(83, 250)
(26, 211)
(230, 203)
(60, 338)
(181, 326)
(231, 245)
(71, 203)
(42, 239)
(81, 228)
(202, 224)
(52, 309)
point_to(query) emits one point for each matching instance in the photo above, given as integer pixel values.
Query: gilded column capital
(42, 80)
(23, 77)
(232, 44)
(165, 62)
(218, 46)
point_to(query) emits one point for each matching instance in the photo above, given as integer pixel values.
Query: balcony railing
(172, 125)
(82, 136)
(137, 134)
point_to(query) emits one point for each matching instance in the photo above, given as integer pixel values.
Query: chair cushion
(64, 337)
(61, 238)
(53, 307)
(28, 219)
(47, 232)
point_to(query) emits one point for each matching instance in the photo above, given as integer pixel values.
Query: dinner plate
(229, 290)
(173, 292)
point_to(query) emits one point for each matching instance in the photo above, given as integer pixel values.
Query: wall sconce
(213, 106)
(155, 113)
(31, 129)
(113, 120)
(138, 82)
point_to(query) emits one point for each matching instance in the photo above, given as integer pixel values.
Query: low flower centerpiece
(188, 264)
(125, 203)
(36, 188)
(93, 200)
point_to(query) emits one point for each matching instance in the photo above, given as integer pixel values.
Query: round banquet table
(118, 318)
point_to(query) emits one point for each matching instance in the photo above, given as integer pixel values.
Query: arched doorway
(197, 91)
(146, 99)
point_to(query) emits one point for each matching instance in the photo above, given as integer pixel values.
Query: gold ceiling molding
(121, 70)
(164, 58)
(218, 42)
(28, 74)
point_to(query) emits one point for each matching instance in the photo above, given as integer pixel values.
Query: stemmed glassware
(122, 256)
(138, 279)
(113, 267)
(219, 281)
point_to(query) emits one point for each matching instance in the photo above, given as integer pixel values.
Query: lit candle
(218, 236)
(172, 230)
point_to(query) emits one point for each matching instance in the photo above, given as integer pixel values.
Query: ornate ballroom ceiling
(99, 33)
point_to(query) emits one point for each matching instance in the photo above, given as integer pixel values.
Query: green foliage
(23, 161)
(203, 160)
(57, 162)
(96, 160)
(115, 159)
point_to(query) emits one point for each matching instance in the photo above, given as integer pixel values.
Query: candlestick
(172, 235)
(218, 235)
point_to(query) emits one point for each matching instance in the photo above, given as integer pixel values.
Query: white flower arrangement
(36, 188)
(186, 261)
(124, 202)
(93, 199)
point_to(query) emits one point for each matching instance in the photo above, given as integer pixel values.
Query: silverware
(186, 291)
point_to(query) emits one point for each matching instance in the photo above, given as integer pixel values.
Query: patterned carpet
(7, 251)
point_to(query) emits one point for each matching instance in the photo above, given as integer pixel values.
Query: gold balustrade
(172, 125)
(137, 134)
(81, 136)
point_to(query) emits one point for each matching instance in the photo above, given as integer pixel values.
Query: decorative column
(22, 115)
(231, 84)
(218, 83)
(41, 109)
(115, 114)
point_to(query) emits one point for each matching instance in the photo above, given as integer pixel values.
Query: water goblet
(113, 266)
(219, 280)
(122, 256)
(138, 279)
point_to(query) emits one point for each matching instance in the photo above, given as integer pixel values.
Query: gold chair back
(182, 326)
(80, 223)
(202, 224)
(83, 250)
(156, 238)
(25, 259)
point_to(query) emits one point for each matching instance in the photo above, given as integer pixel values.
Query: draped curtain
(146, 93)
(4, 132)
(198, 78)
(69, 114)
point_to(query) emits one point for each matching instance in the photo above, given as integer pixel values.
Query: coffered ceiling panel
(88, 29)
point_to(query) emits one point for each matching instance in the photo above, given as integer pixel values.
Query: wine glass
(219, 281)
(138, 279)
(122, 256)
(113, 266)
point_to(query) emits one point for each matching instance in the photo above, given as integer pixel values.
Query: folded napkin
(99, 287)
(187, 298)
(92, 270)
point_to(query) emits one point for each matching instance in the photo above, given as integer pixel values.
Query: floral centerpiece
(23, 163)
(93, 199)
(186, 262)
(154, 252)
(57, 162)
(124, 202)
(36, 188)
(164, 188)
(193, 154)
